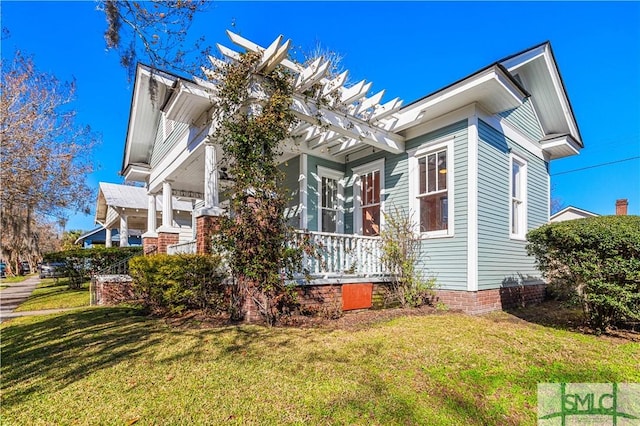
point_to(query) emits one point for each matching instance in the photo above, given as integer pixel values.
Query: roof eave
(493, 87)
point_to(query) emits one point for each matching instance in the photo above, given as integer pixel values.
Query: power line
(596, 165)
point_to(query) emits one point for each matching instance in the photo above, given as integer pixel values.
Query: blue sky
(408, 48)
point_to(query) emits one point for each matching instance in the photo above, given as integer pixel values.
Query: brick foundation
(166, 239)
(319, 299)
(206, 226)
(149, 245)
(109, 290)
(480, 302)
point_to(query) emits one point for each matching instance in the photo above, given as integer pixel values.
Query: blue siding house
(469, 163)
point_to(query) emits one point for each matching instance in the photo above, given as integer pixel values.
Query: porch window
(518, 197)
(331, 193)
(368, 192)
(433, 194)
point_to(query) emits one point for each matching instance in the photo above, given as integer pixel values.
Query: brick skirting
(480, 302)
(327, 299)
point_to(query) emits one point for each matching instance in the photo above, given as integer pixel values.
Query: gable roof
(570, 210)
(131, 198)
(538, 70)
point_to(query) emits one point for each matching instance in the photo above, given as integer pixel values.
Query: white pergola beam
(355, 92)
(345, 147)
(386, 109)
(272, 62)
(367, 103)
(229, 53)
(335, 84)
(324, 139)
(312, 74)
(347, 126)
(217, 63)
(324, 124)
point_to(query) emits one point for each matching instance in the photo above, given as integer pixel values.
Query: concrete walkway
(16, 293)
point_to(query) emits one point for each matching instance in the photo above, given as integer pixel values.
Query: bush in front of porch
(177, 283)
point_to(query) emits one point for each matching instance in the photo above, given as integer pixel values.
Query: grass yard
(55, 294)
(114, 366)
(14, 279)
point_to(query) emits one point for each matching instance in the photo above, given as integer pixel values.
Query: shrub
(81, 263)
(597, 257)
(400, 249)
(179, 282)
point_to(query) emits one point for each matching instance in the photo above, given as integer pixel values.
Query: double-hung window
(330, 200)
(368, 192)
(433, 194)
(431, 188)
(518, 197)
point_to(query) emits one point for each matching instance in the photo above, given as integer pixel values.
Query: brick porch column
(166, 239)
(206, 226)
(150, 238)
(208, 217)
(167, 234)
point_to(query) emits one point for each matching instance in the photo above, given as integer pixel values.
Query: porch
(326, 256)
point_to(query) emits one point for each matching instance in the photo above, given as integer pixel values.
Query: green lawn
(114, 366)
(14, 279)
(55, 294)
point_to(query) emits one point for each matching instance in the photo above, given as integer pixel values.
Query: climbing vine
(253, 118)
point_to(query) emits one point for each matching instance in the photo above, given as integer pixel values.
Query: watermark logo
(596, 404)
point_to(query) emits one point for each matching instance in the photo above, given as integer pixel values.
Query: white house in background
(571, 213)
(470, 162)
(129, 208)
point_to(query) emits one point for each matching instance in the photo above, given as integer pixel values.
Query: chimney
(621, 207)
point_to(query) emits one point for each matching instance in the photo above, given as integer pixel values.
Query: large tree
(45, 157)
(156, 32)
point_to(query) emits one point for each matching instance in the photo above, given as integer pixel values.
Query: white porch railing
(328, 255)
(188, 247)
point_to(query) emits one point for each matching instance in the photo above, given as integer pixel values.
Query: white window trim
(373, 166)
(522, 220)
(339, 176)
(414, 185)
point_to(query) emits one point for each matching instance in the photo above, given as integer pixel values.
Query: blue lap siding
(501, 259)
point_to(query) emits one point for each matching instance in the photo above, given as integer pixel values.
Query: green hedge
(179, 282)
(599, 258)
(81, 263)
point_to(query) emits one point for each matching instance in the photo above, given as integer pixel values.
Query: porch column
(107, 237)
(167, 205)
(167, 234)
(150, 238)
(207, 216)
(124, 231)
(151, 213)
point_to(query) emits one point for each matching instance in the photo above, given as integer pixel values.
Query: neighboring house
(98, 237)
(470, 162)
(126, 208)
(570, 213)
